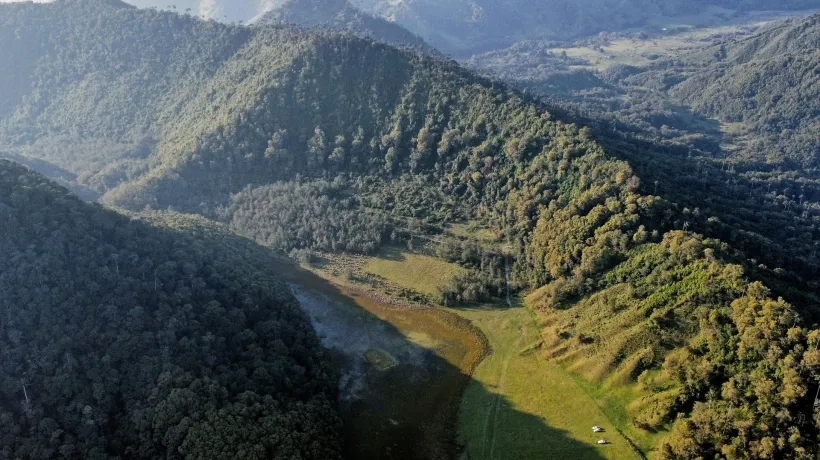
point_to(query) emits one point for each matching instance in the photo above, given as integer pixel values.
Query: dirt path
(493, 413)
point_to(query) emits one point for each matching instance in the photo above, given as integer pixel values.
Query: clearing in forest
(678, 35)
(421, 273)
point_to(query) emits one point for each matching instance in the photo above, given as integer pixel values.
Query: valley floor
(517, 404)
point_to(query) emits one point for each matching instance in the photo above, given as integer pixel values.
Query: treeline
(124, 339)
(312, 215)
(763, 194)
(692, 329)
(486, 277)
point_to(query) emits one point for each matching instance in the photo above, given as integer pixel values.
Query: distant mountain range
(466, 27)
(764, 82)
(341, 15)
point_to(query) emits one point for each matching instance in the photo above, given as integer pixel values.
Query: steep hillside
(90, 106)
(311, 141)
(341, 15)
(124, 339)
(756, 163)
(769, 82)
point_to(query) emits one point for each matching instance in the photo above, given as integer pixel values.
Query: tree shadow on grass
(411, 411)
(393, 254)
(513, 434)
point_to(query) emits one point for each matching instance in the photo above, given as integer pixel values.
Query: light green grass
(596, 366)
(418, 272)
(616, 401)
(692, 32)
(522, 406)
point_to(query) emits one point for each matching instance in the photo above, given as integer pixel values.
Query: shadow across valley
(403, 374)
(55, 173)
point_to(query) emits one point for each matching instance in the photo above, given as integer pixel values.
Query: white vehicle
(603, 441)
(597, 429)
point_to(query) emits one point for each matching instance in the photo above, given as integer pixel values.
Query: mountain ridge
(341, 15)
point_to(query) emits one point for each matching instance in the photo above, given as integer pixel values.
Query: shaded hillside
(317, 141)
(92, 106)
(341, 15)
(124, 339)
(769, 82)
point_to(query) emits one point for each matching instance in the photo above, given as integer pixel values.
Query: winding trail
(493, 412)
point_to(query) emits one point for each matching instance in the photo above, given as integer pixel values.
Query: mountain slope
(769, 82)
(317, 141)
(754, 163)
(122, 339)
(341, 15)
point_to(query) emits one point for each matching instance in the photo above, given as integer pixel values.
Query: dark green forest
(658, 119)
(163, 337)
(318, 141)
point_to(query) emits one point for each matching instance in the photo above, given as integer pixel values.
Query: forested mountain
(770, 83)
(761, 146)
(121, 338)
(311, 140)
(341, 15)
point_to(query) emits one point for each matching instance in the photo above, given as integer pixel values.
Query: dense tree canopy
(122, 339)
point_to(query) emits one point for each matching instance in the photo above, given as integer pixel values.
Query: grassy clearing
(520, 405)
(409, 411)
(683, 33)
(640, 52)
(619, 403)
(525, 400)
(472, 230)
(418, 272)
